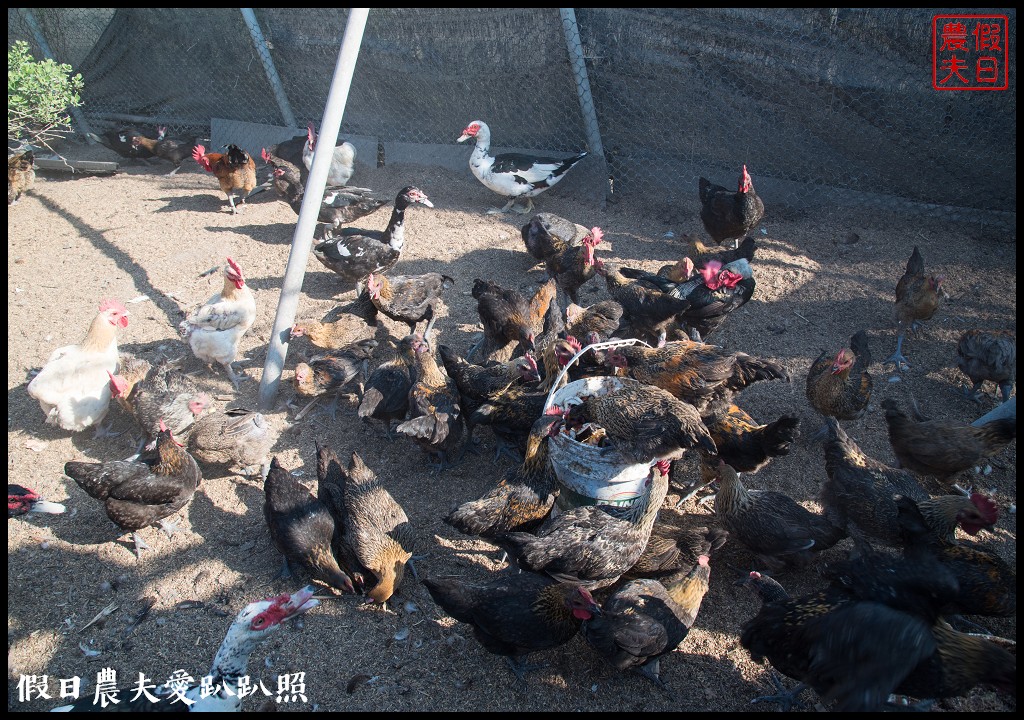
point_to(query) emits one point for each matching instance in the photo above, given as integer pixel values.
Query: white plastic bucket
(590, 475)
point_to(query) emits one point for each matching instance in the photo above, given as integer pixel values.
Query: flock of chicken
(630, 578)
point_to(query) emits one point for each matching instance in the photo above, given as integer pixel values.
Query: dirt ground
(76, 240)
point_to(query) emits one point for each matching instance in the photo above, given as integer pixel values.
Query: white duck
(513, 175)
(251, 626)
(343, 164)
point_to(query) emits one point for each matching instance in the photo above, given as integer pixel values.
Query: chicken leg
(897, 357)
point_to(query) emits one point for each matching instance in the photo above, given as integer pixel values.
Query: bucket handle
(594, 346)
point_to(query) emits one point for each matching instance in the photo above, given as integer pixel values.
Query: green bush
(38, 97)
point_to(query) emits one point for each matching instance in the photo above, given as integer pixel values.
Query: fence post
(263, 50)
(291, 285)
(582, 80)
(37, 33)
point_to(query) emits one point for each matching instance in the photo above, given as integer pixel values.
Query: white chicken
(73, 388)
(214, 330)
(513, 175)
(343, 163)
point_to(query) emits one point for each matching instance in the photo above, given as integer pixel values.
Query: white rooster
(73, 388)
(343, 163)
(214, 330)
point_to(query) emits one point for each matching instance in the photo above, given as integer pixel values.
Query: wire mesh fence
(822, 105)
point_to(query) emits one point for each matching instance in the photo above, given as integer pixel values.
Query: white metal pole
(303, 237)
(263, 50)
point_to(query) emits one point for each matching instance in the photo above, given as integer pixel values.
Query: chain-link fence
(821, 105)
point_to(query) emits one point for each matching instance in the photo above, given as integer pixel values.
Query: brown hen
(409, 298)
(780, 531)
(509, 318)
(235, 171)
(522, 498)
(333, 370)
(573, 265)
(700, 374)
(942, 449)
(645, 620)
(841, 387)
(917, 299)
(235, 437)
(141, 492)
(858, 496)
(435, 416)
(677, 540)
(592, 545)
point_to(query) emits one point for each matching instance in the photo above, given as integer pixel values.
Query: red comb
(553, 410)
(111, 304)
(531, 360)
(234, 267)
(596, 234)
(664, 466)
(703, 561)
(986, 506)
(265, 155)
(198, 152)
(574, 343)
(163, 427)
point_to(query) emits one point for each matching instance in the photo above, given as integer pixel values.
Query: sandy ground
(75, 240)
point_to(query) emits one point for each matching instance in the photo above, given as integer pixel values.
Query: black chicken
(302, 528)
(730, 215)
(386, 396)
(515, 614)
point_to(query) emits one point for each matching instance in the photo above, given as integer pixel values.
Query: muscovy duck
(251, 626)
(21, 500)
(354, 253)
(514, 175)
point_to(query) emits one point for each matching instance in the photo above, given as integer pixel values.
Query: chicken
(508, 318)
(215, 329)
(302, 528)
(648, 313)
(353, 253)
(780, 531)
(513, 175)
(857, 640)
(341, 203)
(988, 355)
(556, 355)
(120, 141)
(840, 388)
(698, 255)
(343, 159)
(523, 497)
(21, 175)
(482, 384)
(510, 415)
(643, 422)
(700, 374)
(987, 583)
(858, 497)
(746, 445)
(386, 396)
(943, 449)
(543, 231)
(730, 215)
(235, 171)
(138, 493)
(73, 387)
(592, 545)
(514, 615)
(21, 500)
(573, 265)
(169, 149)
(332, 371)
(235, 438)
(161, 393)
(711, 295)
(677, 541)
(645, 620)
(602, 318)
(353, 323)
(254, 623)
(377, 533)
(409, 298)
(917, 299)
(435, 417)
